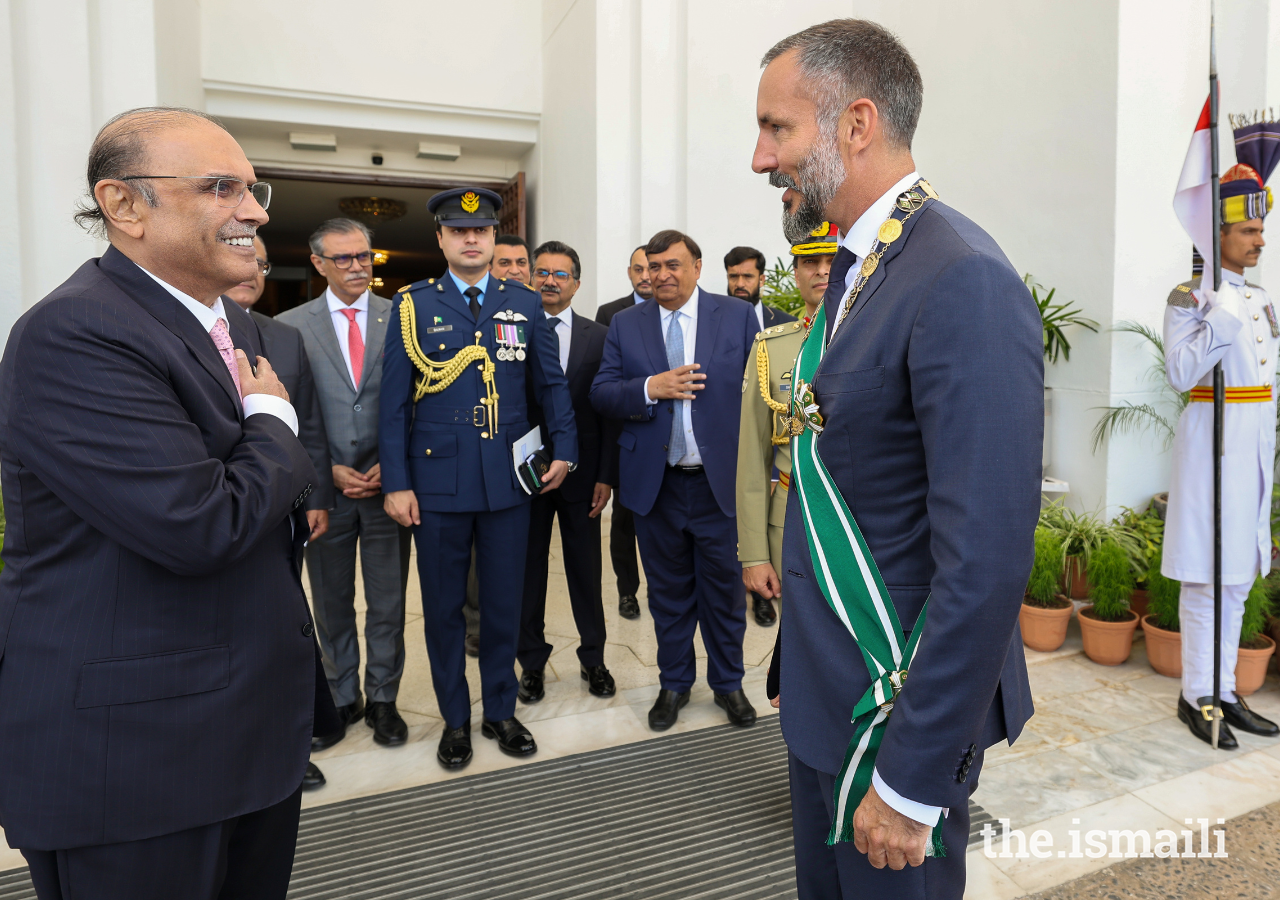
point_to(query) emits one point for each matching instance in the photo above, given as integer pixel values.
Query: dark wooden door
(511, 219)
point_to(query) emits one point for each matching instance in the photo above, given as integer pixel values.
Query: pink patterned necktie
(222, 340)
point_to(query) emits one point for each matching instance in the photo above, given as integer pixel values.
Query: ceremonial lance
(1219, 388)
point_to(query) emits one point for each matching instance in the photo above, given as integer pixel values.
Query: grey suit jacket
(350, 413)
(283, 347)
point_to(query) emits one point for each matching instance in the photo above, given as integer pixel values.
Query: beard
(819, 177)
(753, 297)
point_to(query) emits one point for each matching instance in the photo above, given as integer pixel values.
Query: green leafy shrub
(1163, 595)
(1143, 534)
(1111, 579)
(1257, 609)
(1083, 533)
(780, 290)
(1046, 571)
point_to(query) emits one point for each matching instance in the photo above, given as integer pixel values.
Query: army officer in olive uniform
(459, 351)
(764, 442)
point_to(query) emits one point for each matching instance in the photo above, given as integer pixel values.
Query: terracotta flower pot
(1045, 628)
(1273, 629)
(1107, 643)
(1164, 649)
(1251, 667)
(1138, 602)
(1075, 580)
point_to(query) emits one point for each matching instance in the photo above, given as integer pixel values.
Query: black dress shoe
(629, 606)
(599, 681)
(1201, 728)
(512, 737)
(739, 708)
(765, 613)
(454, 751)
(388, 728)
(1239, 715)
(531, 689)
(472, 645)
(666, 709)
(352, 712)
(313, 778)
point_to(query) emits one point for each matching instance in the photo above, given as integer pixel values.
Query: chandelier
(372, 209)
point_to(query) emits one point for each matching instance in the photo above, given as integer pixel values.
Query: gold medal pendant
(869, 264)
(890, 231)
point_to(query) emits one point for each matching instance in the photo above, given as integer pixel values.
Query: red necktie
(355, 346)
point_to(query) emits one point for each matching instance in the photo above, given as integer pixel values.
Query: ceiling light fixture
(373, 209)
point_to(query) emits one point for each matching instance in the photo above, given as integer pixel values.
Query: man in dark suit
(336, 328)
(158, 678)
(283, 346)
(679, 458)
(924, 406)
(622, 526)
(578, 502)
(744, 271)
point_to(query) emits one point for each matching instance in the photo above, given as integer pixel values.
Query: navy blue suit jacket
(157, 669)
(932, 395)
(636, 349)
(434, 447)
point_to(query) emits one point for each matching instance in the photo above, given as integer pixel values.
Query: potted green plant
(1107, 625)
(1045, 611)
(1161, 625)
(1145, 533)
(1256, 646)
(1081, 534)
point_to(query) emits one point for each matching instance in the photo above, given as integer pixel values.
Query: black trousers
(249, 857)
(580, 544)
(842, 873)
(622, 549)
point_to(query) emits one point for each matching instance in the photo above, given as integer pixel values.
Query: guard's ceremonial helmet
(465, 207)
(1243, 187)
(822, 241)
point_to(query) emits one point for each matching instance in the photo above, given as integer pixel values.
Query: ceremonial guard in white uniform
(1237, 327)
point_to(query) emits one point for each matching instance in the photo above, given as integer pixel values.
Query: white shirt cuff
(922, 813)
(647, 401)
(272, 406)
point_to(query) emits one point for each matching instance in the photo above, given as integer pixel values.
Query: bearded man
(917, 403)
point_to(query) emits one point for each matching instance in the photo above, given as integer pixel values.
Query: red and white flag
(1193, 201)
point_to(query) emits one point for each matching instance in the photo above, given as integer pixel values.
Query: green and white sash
(843, 565)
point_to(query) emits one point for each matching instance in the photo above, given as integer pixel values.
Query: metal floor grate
(699, 815)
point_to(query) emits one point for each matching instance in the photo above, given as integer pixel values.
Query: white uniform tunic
(1196, 336)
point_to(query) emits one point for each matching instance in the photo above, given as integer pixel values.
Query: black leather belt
(686, 470)
(468, 416)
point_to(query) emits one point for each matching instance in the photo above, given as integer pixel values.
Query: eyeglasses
(264, 267)
(560, 275)
(344, 260)
(229, 192)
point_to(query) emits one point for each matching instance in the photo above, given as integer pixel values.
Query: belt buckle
(478, 416)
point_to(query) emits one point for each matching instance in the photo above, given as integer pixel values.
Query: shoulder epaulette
(1256, 287)
(784, 328)
(1181, 295)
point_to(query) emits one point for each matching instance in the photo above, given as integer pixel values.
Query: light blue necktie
(675, 359)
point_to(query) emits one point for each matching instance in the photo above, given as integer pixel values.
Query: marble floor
(1104, 746)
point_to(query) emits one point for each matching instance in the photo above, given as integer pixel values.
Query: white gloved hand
(1226, 297)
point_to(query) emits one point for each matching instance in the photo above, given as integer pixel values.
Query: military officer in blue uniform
(461, 351)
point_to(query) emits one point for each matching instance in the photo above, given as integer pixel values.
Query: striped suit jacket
(157, 664)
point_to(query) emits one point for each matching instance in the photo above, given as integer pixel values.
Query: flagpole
(1219, 389)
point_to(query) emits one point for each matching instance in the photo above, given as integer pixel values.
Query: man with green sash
(916, 417)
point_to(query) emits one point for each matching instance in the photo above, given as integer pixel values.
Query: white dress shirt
(563, 324)
(208, 317)
(759, 305)
(342, 325)
(862, 236)
(688, 317)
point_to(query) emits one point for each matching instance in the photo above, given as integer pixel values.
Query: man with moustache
(463, 351)
(916, 420)
(764, 444)
(744, 270)
(336, 328)
(578, 502)
(511, 258)
(622, 525)
(676, 467)
(160, 678)
(283, 345)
